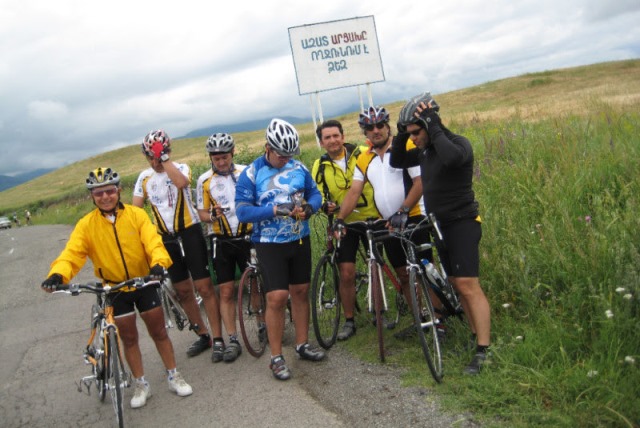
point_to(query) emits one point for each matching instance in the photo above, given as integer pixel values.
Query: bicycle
(424, 277)
(103, 351)
(376, 271)
(174, 314)
(325, 290)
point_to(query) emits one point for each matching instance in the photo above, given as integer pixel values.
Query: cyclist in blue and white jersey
(278, 195)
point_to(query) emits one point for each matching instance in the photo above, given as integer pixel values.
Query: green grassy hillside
(530, 98)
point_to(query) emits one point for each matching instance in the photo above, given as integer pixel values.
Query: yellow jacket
(119, 251)
(334, 183)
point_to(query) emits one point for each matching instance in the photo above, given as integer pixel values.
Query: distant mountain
(261, 124)
(7, 181)
(252, 125)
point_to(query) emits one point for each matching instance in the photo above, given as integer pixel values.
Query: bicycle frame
(108, 369)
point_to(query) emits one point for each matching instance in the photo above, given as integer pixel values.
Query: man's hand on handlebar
(50, 284)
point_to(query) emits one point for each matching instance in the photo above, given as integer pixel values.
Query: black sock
(481, 349)
(350, 320)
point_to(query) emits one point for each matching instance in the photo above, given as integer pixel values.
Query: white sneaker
(179, 386)
(140, 395)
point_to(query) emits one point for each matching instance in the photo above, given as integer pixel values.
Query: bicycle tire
(325, 302)
(115, 377)
(166, 309)
(251, 311)
(98, 352)
(425, 323)
(378, 305)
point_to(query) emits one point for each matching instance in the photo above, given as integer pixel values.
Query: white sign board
(336, 54)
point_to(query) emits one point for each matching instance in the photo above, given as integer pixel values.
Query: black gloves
(402, 128)
(325, 207)
(429, 117)
(399, 219)
(284, 209)
(51, 283)
(308, 211)
(157, 271)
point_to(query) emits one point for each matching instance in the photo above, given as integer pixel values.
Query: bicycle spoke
(251, 312)
(325, 303)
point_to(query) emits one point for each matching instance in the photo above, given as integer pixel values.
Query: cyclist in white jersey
(397, 192)
(215, 196)
(166, 186)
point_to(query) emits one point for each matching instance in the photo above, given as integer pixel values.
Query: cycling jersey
(172, 208)
(386, 182)
(121, 249)
(334, 179)
(215, 189)
(261, 186)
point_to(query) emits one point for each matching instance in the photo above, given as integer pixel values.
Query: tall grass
(560, 264)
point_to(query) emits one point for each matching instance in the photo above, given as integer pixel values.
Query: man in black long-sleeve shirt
(446, 162)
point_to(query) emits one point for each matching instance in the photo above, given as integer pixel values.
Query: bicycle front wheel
(378, 303)
(325, 302)
(251, 311)
(425, 323)
(97, 348)
(115, 376)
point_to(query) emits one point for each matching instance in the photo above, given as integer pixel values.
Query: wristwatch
(405, 209)
(164, 157)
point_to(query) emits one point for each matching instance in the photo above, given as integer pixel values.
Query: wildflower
(506, 305)
(609, 313)
(519, 338)
(592, 373)
(620, 290)
(629, 359)
(587, 219)
(628, 296)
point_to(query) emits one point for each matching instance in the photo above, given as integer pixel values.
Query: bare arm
(351, 199)
(177, 178)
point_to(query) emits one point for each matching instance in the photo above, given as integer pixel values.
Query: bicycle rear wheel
(251, 311)
(425, 322)
(378, 304)
(325, 302)
(115, 376)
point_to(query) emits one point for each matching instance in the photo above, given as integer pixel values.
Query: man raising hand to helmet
(166, 186)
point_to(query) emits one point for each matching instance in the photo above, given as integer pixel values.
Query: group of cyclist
(270, 201)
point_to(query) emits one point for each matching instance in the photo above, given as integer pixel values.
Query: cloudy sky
(80, 77)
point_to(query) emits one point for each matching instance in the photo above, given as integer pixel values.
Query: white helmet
(282, 137)
(220, 143)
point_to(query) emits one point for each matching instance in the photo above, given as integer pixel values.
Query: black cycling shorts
(350, 241)
(460, 256)
(194, 263)
(231, 257)
(144, 299)
(284, 264)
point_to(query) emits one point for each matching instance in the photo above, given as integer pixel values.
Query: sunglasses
(109, 192)
(377, 125)
(416, 132)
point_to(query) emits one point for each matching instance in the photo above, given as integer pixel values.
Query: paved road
(42, 337)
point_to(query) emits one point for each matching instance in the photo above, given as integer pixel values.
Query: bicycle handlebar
(97, 287)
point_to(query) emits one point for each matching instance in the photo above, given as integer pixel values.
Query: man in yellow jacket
(122, 243)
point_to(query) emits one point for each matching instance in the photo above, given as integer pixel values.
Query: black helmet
(407, 113)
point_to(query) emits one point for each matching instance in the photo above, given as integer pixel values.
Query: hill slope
(528, 97)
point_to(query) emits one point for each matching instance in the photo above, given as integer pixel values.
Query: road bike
(103, 351)
(174, 314)
(326, 303)
(377, 270)
(425, 279)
